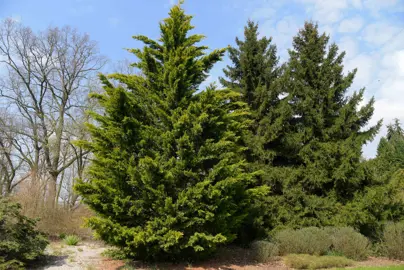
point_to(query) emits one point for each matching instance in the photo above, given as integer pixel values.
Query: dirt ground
(88, 256)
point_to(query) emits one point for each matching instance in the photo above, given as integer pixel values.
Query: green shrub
(20, 242)
(71, 240)
(349, 243)
(305, 261)
(264, 251)
(114, 253)
(62, 236)
(393, 240)
(309, 240)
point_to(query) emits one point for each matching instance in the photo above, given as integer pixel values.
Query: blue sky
(370, 31)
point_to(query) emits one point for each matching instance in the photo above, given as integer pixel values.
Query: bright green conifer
(169, 179)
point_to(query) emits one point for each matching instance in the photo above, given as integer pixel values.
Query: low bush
(114, 253)
(393, 240)
(341, 241)
(71, 240)
(20, 242)
(310, 240)
(305, 261)
(349, 243)
(264, 251)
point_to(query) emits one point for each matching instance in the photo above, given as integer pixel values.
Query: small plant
(264, 251)
(305, 261)
(349, 243)
(393, 240)
(62, 236)
(310, 240)
(71, 240)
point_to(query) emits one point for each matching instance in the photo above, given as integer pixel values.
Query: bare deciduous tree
(46, 82)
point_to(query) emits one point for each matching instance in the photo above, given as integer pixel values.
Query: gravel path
(85, 256)
(88, 256)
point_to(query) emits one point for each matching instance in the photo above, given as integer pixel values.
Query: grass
(304, 261)
(71, 240)
(398, 267)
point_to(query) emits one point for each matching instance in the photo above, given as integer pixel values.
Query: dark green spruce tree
(253, 73)
(388, 165)
(390, 151)
(168, 179)
(317, 177)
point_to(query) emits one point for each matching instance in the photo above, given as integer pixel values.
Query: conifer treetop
(174, 65)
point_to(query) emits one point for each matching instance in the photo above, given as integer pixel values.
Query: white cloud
(349, 45)
(327, 28)
(366, 67)
(395, 43)
(325, 11)
(351, 25)
(282, 33)
(400, 60)
(379, 33)
(375, 6)
(387, 110)
(263, 13)
(356, 3)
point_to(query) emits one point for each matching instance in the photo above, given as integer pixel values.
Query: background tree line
(43, 95)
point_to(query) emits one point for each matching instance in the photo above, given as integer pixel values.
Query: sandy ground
(85, 256)
(88, 256)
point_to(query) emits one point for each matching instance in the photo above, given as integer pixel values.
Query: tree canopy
(169, 178)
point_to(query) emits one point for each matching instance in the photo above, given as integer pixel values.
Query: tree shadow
(229, 258)
(48, 261)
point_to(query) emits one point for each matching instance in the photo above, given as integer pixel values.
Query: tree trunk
(52, 191)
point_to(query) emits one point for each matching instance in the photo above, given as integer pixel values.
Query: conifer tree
(390, 151)
(389, 162)
(253, 73)
(317, 177)
(169, 179)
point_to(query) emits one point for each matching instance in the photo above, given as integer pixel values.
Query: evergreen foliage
(309, 138)
(20, 242)
(318, 178)
(390, 152)
(253, 73)
(169, 179)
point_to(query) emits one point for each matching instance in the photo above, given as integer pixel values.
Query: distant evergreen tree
(317, 177)
(169, 179)
(388, 165)
(253, 73)
(390, 151)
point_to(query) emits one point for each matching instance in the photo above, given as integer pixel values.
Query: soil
(88, 256)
